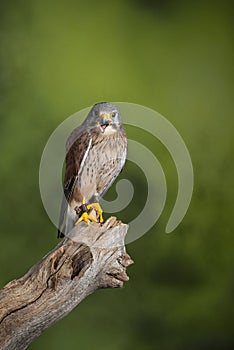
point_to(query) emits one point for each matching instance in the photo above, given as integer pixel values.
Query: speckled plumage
(96, 154)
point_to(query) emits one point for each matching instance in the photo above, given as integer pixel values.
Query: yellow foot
(98, 209)
(86, 218)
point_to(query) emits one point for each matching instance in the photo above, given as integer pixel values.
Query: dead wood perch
(93, 257)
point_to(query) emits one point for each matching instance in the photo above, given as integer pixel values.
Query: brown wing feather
(74, 158)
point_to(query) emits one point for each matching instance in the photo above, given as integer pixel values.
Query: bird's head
(105, 116)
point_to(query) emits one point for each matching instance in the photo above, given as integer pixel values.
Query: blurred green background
(176, 57)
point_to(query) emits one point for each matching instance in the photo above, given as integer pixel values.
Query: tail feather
(68, 224)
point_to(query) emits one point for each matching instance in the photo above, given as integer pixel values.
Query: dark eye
(114, 114)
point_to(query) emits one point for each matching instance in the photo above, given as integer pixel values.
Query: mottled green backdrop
(176, 57)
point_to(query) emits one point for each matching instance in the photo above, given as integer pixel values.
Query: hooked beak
(105, 121)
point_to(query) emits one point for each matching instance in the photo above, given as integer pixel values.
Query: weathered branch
(93, 257)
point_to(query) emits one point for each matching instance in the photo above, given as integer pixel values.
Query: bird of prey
(95, 155)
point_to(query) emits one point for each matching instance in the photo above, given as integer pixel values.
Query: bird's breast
(103, 158)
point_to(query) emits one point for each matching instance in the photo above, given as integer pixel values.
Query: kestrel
(95, 155)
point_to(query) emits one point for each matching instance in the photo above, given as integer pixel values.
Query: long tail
(68, 223)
